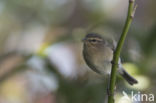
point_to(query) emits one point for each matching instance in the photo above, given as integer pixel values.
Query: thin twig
(130, 15)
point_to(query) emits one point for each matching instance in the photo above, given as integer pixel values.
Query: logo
(137, 97)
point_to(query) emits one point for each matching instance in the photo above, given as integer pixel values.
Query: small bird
(98, 55)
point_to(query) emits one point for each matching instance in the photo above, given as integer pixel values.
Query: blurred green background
(41, 49)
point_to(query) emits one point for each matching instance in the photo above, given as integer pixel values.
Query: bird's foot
(113, 63)
(109, 92)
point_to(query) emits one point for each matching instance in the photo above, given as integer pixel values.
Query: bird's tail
(128, 77)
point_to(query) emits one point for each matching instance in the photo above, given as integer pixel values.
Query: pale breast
(101, 59)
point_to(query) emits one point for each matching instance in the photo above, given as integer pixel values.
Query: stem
(116, 56)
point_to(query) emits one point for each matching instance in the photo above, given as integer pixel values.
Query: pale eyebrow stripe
(98, 39)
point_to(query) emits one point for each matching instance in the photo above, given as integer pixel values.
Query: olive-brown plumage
(98, 55)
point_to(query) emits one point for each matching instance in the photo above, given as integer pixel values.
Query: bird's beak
(84, 39)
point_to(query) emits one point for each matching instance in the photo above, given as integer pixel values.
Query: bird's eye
(93, 40)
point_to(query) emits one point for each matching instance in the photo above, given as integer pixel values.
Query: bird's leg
(108, 84)
(118, 64)
(112, 62)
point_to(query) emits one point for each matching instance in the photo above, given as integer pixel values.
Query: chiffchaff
(98, 55)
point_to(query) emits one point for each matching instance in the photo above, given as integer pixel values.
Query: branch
(130, 15)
